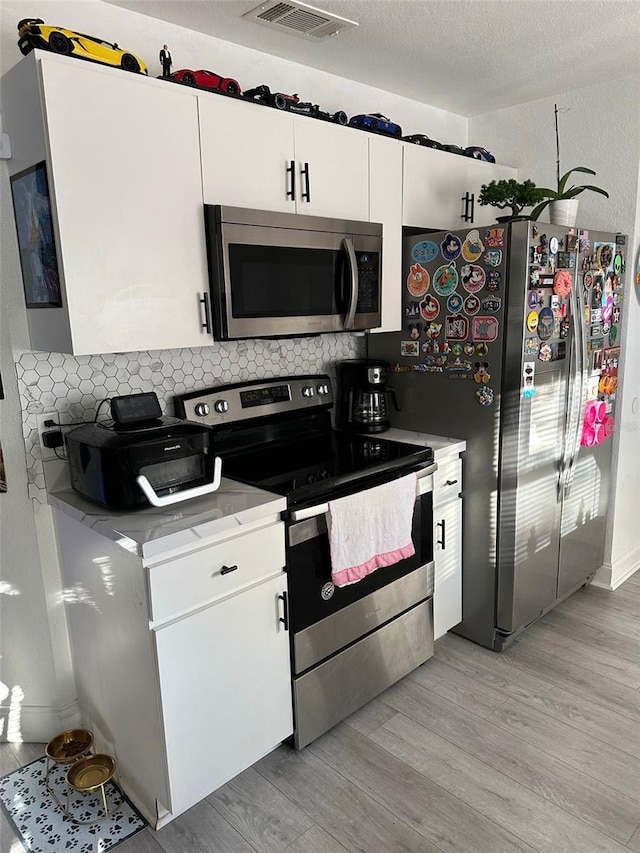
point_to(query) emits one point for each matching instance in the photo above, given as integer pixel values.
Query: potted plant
(510, 194)
(562, 202)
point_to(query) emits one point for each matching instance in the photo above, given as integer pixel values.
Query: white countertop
(153, 531)
(442, 446)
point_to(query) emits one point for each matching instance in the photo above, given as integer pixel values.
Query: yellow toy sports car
(33, 32)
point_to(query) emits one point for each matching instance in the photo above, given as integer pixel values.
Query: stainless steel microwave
(282, 274)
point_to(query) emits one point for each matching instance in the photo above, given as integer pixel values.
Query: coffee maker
(363, 395)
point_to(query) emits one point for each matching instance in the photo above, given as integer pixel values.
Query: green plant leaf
(537, 210)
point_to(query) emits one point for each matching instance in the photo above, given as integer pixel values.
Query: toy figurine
(165, 61)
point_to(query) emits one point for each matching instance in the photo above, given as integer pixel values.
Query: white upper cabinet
(385, 206)
(124, 177)
(258, 157)
(246, 151)
(438, 187)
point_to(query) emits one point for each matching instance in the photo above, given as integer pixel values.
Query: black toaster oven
(171, 456)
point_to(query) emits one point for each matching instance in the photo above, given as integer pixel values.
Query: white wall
(600, 129)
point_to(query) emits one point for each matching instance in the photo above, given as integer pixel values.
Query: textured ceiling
(465, 56)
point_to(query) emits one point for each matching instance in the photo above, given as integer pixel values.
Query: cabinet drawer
(201, 577)
(447, 481)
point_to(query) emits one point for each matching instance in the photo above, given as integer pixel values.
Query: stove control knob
(308, 391)
(201, 410)
(323, 390)
(221, 406)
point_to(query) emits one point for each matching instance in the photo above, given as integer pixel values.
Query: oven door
(323, 618)
(280, 281)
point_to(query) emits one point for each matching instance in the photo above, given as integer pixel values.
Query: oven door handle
(424, 484)
(355, 283)
(155, 500)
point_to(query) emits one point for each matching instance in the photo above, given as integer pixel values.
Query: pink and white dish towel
(371, 529)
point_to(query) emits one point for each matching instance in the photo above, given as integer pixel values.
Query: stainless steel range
(348, 644)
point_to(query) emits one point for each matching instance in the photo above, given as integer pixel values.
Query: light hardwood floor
(535, 750)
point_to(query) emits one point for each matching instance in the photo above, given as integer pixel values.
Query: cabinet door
(447, 594)
(385, 206)
(337, 178)
(479, 173)
(434, 183)
(225, 688)
(126, 180)
(246, 150)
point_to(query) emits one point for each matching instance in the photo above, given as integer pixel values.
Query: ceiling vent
(299, 19)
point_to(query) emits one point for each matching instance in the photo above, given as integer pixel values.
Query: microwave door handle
(355, 284)
(155, 499)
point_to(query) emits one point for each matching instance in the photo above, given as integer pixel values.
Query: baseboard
(36, 723)
(613, 575)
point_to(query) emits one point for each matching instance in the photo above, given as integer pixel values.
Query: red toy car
(207, 80)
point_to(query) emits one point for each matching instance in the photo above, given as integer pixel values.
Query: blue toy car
(376, 122)
(480, 153)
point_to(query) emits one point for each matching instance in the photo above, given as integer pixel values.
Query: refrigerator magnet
(494, 238)
(409, 348)
(482, 349)
(481, 374)
(493, 258)
(494, 280)
(473, 247)
(553, 245)
(485, 396)
(418, 280)
(528, 377)
(572, 242)
(533, 298)
(492, 304)
(432, 331)
(415, 330)
(425, 251)
(429, 308)
(458, 365)
(454, 303)
(546, 323)
(473, 277)
(617, 264)
(468, 348)
(565, 260)
(544, 353)
(445, 279)
(451, 247)
(531, 346)
(484, 329)
(412, 310)
(456, 327)
(562, 283)
(532, 321)
(471, 305)
(457, 349)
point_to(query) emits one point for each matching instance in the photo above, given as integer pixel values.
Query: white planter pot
(564, 211)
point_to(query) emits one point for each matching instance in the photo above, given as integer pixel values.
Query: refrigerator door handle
(578, 388)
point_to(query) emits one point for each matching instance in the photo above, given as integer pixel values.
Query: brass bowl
(91, 772)
(69, 746)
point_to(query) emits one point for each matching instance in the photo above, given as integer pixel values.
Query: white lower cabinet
(190, 695)
(225, 689)
(447, 546)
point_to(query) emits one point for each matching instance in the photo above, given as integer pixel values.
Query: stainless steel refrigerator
(511, 340)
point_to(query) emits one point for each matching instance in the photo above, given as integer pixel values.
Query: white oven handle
(155, 499)
(424, 485)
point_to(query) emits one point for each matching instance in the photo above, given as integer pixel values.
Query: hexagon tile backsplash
(73, 386)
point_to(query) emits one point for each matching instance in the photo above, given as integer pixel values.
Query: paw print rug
(41, 823)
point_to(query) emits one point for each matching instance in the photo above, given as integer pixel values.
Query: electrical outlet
(46, 452)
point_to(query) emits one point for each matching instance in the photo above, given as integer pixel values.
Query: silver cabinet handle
(155, 499)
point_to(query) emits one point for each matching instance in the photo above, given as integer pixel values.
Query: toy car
(480, 153)
(376, 122)
(34, 33)
(455, 149)
(280, 101)
(207, 80)
(421, 139)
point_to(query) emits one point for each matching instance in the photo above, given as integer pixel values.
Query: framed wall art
(36, 242)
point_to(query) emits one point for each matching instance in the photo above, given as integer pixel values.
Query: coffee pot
(363, 395)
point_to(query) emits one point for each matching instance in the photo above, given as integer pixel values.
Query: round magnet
(472, 248)
(553, 245)
(429, 308)
(457, 349)
(546, 322)
(473, 277)
(451, 247)
(485, 395)
(588, 280)
(562, 283)
(482, 349)
(454, 303)
(418, 280)
(469, 348)
(424, 251)
(617, 264)
(532, 321)
(604, 256)
(445, 279)
(471, 305)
